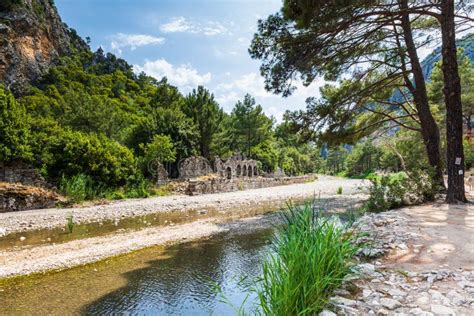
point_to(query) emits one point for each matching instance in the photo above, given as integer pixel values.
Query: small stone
(389, 303)
(423, 300)
(419, 312)
(403, 246)
(327, 313)
(437, 296)
(442, 310)
(382, 312)
(396, 292)
(338, 300)
(22, 238)
(3, 232)
(456, 298)
(366, 292)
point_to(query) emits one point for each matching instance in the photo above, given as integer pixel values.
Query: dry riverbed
(234, 212)
(273, 197)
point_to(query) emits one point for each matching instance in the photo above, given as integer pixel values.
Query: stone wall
(18, 172)
(218, 185)
(17, 197)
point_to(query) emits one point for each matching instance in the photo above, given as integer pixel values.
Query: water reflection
(182, 284)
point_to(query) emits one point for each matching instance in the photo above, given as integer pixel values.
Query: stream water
(178, 280)
(174, 280)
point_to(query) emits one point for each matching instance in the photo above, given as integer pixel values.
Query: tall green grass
(312, 255)
(82, 187)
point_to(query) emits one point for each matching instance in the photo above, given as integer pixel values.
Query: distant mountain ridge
(466, 43)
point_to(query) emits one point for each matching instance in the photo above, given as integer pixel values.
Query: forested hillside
(92, 119)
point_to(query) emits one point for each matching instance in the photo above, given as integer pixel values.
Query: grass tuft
(312, 255)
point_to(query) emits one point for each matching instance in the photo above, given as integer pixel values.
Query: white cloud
(228, 93)
(183, 76)
(177, 25)
(121, 40)
(182, 25)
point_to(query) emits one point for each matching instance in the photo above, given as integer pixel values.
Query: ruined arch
(229, 173)
(239, 170)
(244, 171)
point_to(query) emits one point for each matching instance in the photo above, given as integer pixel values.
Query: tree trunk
(429, 128)
(452, 98)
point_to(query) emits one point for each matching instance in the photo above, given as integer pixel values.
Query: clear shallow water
(176, 280)
(179, 280)
(184, 283)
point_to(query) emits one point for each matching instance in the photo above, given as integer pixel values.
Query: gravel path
(426, 267)
(277, 196)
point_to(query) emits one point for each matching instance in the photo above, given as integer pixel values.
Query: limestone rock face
(32, 37)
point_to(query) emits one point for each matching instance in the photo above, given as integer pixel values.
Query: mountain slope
(466, 43)
(32, 37)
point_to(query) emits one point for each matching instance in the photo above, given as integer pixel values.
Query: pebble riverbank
(398, 279)
(115, 211)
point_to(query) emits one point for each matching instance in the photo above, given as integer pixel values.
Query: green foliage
(206, 114)
(160, 148)
(70, 224)
(312, 256)
(7, 5)
(105, 160)
(364, 158)
(250, 126)
(386, 192)
(78, 188)
(336, 159)
(339, 190)
(14, 128)
(400, 189)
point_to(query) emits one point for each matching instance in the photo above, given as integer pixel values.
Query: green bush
(82, 187)
(396, 190)
(14, 128)
(339, 191)
(78, 188)
(312, 257)
(71, 153)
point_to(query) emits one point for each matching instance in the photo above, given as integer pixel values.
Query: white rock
(437, 296)
(456, 298)
(423, 300)
(390, 303)
(442, 310)
(3, 232)
(327, 313)
(22, 238)
(396, 292)
(338, 300)
(366, 292)
(419, 312)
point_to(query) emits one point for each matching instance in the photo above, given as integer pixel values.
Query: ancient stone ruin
(234, 167)
(194, 167)
(239, 167)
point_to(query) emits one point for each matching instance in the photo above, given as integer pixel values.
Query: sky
(190, 42)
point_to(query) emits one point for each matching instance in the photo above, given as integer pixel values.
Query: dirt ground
(446, 238)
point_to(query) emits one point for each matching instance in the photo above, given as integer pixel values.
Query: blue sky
(191, 42)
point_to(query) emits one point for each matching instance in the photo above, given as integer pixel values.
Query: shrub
(312, 257)
(14, 128)
(339, 191)
(78, 188)
(72, 153)
(400, 189)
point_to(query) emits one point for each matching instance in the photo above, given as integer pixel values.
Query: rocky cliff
(32, 37)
